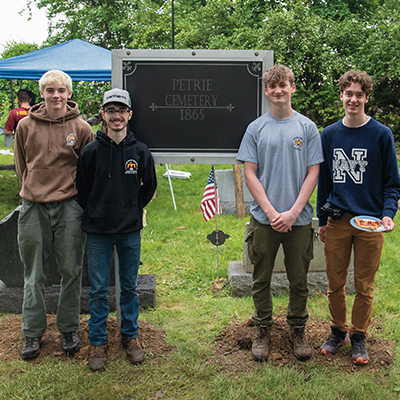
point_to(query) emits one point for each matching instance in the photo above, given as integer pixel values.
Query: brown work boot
(134, 350)
(301, 349)
(98, 358)
(260, 347)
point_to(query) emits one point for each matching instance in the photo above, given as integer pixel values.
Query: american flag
(210, 202)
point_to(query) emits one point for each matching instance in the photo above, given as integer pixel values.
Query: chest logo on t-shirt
(72, 139)
(24, 113)
(131, 167)
(298, 143)
(354, 167)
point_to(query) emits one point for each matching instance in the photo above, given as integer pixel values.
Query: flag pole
(216, 217)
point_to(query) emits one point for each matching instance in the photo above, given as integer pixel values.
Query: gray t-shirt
(282, 149)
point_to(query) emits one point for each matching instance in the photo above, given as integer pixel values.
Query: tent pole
(12, 94)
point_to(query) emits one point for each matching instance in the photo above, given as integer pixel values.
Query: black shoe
(359, 354)
(31, 347)
(70, 342)
(140, 262)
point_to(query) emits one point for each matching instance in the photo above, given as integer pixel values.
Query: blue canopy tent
(82, 61)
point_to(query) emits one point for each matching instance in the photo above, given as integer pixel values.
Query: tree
(318, 39)
(336, 10)
(379, 55)
(89, 96)
(302, 40)
(101, 22)
(13, 49)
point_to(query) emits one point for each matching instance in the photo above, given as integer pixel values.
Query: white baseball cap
(117, 96)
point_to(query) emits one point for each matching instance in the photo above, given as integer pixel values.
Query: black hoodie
(114, 182)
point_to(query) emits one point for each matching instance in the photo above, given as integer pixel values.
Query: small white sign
(177, 174)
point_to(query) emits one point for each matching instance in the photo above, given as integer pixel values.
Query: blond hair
(278, 73)
(56, 76)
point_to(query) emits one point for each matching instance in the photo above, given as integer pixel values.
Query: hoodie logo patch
(131, 167)
(72, 139)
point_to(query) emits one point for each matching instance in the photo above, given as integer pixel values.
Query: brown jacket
(46, 152)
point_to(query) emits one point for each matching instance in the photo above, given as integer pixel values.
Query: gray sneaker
(70, 342)
(359, 352)
(336, 339)
(260, 347)
(297, 337)
(31, 347)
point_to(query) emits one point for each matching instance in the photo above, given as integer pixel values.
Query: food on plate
(368, 224)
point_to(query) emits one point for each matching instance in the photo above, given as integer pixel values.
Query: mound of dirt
(234, 348)
(231, 348)
(11, 340)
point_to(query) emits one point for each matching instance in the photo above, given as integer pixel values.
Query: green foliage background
(318, 39)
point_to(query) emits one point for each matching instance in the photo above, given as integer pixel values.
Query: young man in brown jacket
(47, 146)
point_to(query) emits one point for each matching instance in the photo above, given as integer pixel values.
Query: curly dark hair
(360, 77)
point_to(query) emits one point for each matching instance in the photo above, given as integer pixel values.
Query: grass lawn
(175, 248)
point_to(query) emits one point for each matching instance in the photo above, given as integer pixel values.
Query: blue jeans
(99, 250)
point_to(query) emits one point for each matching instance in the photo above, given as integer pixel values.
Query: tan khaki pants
(341, 237)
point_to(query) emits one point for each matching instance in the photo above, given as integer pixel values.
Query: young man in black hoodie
(115, 180)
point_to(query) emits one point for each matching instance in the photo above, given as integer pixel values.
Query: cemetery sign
(192, 106)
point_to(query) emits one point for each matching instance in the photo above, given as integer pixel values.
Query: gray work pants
(263, 245)
(44, 228)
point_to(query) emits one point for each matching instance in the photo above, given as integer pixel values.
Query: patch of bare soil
(11, 340)
(234, 348)
(231, 348)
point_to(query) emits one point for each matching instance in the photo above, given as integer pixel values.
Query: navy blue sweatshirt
(114, 182)
(360, 172)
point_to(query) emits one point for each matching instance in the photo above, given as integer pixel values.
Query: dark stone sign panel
(202, 106)
(197, 105)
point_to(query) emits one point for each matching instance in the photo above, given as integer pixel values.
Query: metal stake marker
(216, 218)
(217, 237)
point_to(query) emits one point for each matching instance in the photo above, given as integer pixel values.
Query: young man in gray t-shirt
(281, 151)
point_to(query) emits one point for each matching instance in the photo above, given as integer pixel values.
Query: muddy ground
(231, 348)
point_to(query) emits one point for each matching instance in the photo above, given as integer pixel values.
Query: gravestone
(226, 192)
(240, 272)
(12, 276)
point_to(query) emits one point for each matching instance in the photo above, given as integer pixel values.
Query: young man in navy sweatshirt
(358, 177)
